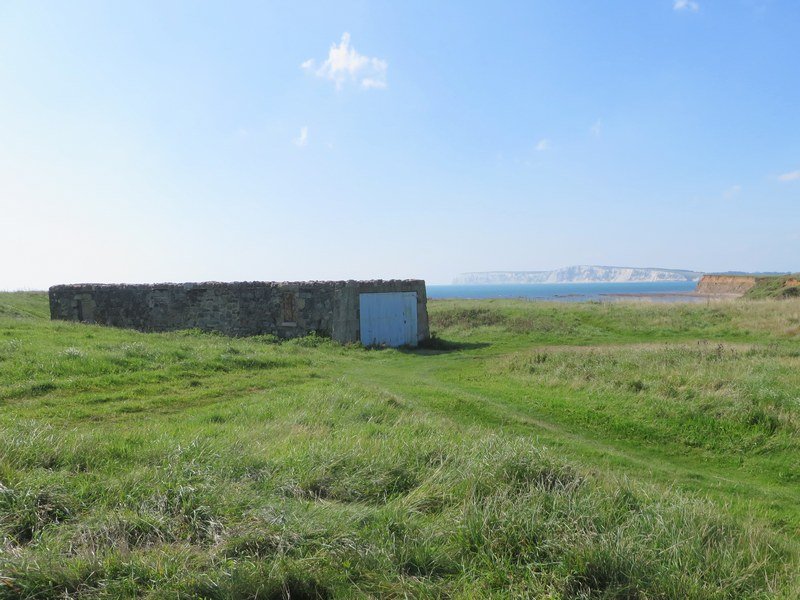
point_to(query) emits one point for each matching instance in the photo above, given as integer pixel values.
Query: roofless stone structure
(378, 312)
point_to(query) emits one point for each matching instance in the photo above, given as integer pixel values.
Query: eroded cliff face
(725, 284)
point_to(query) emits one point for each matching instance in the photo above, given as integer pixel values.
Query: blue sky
(180, 141)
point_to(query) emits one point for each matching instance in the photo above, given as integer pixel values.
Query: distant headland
(578, 274)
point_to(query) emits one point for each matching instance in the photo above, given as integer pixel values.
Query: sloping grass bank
(779, 287)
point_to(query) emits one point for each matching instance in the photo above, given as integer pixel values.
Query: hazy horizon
(144, 142)
(452, 281)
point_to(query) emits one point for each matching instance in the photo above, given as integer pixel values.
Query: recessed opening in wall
(289, 308)
(84, 309)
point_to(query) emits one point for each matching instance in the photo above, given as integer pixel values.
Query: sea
(658, 291)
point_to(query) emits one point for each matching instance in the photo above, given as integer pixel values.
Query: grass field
(533, 450)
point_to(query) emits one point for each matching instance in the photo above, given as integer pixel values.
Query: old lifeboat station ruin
(375, 313)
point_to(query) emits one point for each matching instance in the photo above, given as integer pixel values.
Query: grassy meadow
(531, 450)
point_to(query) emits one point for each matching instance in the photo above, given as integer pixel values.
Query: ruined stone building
(391, 312)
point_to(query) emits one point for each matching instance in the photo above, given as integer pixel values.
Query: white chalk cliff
(578, 274)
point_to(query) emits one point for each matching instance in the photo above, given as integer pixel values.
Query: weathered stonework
(291, 309)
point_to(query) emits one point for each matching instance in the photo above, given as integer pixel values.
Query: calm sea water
(662, 291)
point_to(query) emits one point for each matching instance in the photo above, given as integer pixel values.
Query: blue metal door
(388, 319)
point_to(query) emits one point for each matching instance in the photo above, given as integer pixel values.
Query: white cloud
(732, 192)
(345, 64)
(791, 176)
(596, 129)
(544, 144)
(371, 83)
(686, 5)
(302, 139)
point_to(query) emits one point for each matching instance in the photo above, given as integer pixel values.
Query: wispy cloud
(732, 192)
(344, 64)
(790, 176)
(597, 128)
(544, 144)
(302, 139)
(686, 5)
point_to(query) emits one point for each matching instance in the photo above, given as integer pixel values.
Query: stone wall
(330, 308)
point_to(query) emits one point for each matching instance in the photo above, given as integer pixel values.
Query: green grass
(775, 287)
(23, 305)
(532, 450)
